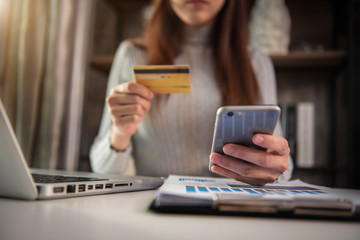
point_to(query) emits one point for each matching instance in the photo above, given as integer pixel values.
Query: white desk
(126, 216)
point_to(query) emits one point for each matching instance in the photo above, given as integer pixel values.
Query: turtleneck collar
(197, 35)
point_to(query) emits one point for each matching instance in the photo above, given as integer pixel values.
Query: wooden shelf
(324, 169)
(128, 5)
(326, 59)
(102, 63)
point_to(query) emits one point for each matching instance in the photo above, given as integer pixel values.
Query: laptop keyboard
(42, 178)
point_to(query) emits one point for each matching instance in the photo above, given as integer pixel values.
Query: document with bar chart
(226, 195)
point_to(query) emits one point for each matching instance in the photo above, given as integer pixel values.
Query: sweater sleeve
(103, 158)
(264, 72)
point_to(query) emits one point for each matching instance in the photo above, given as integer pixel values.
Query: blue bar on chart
(214, 189)
(251, 191)
(225, 189)
(202, 189)
(237, 190)
(310, 192)
(190, 189)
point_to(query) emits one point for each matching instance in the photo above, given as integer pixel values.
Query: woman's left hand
(253, 166)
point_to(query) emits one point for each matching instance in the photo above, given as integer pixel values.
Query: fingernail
(213, 169)
(258, 139)
(214, 158)
(229, 149)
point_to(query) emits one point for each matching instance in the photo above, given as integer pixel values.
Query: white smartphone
(238, 124)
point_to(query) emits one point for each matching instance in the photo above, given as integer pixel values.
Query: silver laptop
(18, 181)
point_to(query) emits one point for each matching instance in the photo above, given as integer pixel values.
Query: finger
(134, 88)
(258, 157)
(227, 173)
(126, 110)
(243, 168)
(275, 143)
(128, 99)
(127, 120)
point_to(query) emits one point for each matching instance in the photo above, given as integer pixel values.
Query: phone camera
(230, 114)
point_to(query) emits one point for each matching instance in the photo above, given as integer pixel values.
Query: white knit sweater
(179, 140)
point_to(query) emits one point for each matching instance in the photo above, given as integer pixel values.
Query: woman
(172, 134)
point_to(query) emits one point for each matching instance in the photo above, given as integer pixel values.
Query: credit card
(164, 78)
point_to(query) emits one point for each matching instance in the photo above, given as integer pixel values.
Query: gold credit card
(164, 78)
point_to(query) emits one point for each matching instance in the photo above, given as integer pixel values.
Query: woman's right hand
(127, 103)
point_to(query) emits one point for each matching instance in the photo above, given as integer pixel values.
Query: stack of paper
(223, 194)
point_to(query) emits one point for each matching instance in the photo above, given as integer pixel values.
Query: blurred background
(55, 56)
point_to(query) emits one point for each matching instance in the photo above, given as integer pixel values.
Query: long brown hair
(164, 38)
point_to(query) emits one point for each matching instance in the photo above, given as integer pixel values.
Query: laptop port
(71, 188)
(81, 188)
(99, 186)
(109, 185)
(58, 189)
(121, 185)
(90, 187)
